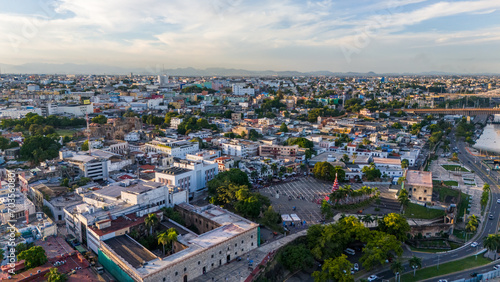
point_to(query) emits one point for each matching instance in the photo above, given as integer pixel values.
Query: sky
(392, 36)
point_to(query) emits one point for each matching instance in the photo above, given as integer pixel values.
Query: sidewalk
(238, 270)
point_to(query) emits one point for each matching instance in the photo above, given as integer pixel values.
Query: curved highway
(488, 226)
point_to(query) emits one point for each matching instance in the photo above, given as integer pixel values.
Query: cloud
(227, 32)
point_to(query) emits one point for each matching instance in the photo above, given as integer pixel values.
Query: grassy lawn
(447, 182)
(66, 132)
(418, 211)
(464, 203)
(425, 250)
(445, 192)
(446, 268)
(454, 167)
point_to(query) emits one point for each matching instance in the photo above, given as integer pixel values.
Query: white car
(498, 201)
(496, 267)
(443, 280)
(474, 244)
(356, 267)
(372, 278)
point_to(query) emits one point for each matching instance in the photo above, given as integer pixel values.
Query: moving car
(474, 244)
(496, 267)
(356, 267)
(491, 216)
(442, 280)
(498, 201)
(473, 274)
(372, 278)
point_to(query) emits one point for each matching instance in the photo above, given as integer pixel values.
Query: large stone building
(419, 185)
(222, 236)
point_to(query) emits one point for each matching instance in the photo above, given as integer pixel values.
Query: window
(420, 198)
(236, 245)
(242, 250)
(251, 236)
(212, 256)
(220, 252)
(425, 199)
(242, 241)
(235, 253)
(164, 279)
(176, 273)
(185, 269)
(252, 244)
(198, 262)
(425, 191)
(212, 264)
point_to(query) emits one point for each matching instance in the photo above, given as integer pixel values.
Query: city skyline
(411, 36)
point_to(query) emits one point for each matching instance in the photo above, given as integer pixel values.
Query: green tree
(85, 145)
(415, 262)
(100, 119)
(404, 163)
(338, 269)
(379, 248)
(55, 276)
(403, 199)
(296, 257)
(151, 221)
(65, 182)
(271, 218)
(171, 237)
(371, 172)
(301, 141)
(395, 224)
(472, 224)
(39, 148)
(283, 127)
(397, 267)
(33, 257)
(325, 171)
(163, 240)
(345, 158)
(326, 210)
(492, 243)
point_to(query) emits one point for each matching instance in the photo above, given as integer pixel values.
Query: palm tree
(163, 239)
(403, 199)
(367, 219)
(472, 224)
(354, 155)
(289, 169)
(274, 167)
(415, 262)
(55, 276)
(172, 237)
(263, 170)
(150, 221)
(397, 267)
(492, 243)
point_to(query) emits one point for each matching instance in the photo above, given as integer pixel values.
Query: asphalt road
(490, 226)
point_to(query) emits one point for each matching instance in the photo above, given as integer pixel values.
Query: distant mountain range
(45, 68)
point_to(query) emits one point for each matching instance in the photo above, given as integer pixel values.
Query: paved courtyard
(440, 173)
(305, 194)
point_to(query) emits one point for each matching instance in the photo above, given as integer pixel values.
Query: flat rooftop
(175, 170)
(419, 178)
(131, 251)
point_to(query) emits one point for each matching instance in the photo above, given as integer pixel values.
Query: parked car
(442, 280)
(356, 267)
(498, 201)
(372, 278)
(473, 274)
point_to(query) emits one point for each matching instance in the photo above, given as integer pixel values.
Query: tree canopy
(33, 257)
